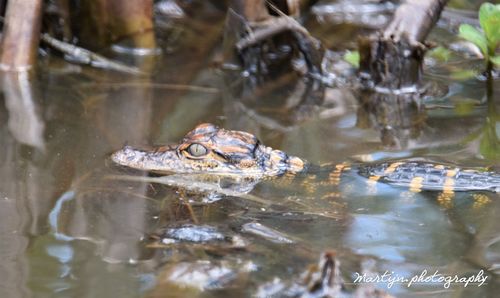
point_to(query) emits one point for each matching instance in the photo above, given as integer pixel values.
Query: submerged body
(208, 149)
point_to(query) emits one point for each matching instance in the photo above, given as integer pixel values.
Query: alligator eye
(197, 150)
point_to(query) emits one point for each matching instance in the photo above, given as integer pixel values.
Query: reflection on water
(68, 230)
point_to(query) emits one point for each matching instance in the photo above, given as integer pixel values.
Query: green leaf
(495, 60)
(489, 18)
(440, 53)
(352, 58)
(471, 34)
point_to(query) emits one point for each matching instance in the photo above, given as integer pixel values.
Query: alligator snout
(126, 155)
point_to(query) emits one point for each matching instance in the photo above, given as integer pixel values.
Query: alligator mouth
(167, 160)
(164, 159)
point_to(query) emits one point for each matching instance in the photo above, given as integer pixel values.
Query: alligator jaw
(164, 159)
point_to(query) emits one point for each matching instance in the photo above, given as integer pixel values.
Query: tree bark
(133, 19)
(21, 34)
(414, 20)
(115, 20)
(252, 11)
(393, 58)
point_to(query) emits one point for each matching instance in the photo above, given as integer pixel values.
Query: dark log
(111, 21)
(393, 58)
(21, 34)
(63, 9)
(252, 11)
(3, 5)
(133, 19)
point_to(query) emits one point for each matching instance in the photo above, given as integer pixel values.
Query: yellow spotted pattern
(449, 182)
(334, 177)
(480, 200)
(392, 167)
(309, 183)
(416, 184)
(445, 200)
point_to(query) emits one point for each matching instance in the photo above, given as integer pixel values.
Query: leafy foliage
(352, 58)
(440, 53)
(495, 60)
(471, 34)
(489, 18)
(489, 39)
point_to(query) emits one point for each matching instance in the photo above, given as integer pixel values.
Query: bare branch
(87, 57)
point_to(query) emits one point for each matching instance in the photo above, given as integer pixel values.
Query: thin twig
(173, 87)
(277, 25)
(271, 28)
(87, 57)
(194, 218)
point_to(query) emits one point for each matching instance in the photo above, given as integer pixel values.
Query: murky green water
(68, 230)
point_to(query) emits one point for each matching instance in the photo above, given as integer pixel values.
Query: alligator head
(209, 149)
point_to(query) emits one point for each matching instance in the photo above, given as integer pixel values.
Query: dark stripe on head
(202, 132)
(234, 145)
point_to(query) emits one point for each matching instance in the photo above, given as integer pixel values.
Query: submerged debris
(195, 233)
(324, 280)
(169, 8)
(201, 238)
(200, 275)
(321, 280)
(187, 279)
(267, 233)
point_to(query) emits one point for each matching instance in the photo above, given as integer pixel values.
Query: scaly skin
(208, 149)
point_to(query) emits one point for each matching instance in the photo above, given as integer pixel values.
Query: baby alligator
(213, 150)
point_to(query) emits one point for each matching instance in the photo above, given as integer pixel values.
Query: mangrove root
(393, 58)
(261, 31)
(21, 35)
